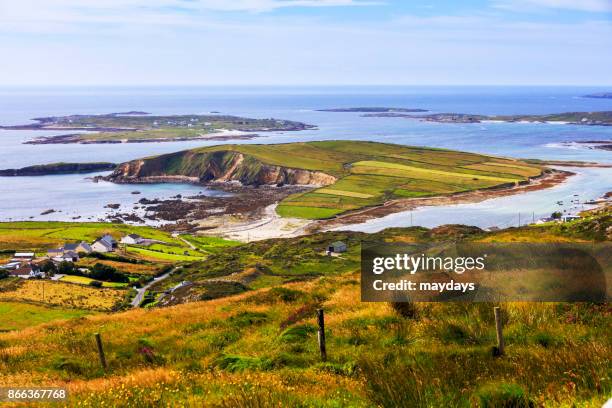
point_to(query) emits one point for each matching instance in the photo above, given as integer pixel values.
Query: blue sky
(305, 42)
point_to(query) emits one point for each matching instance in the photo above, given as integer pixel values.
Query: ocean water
(521, 140)
(508, 211)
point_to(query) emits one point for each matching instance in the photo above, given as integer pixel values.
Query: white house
(23, 256)
(109, 239)
(27, 271)
(567, 218)
(101, 245)
(68, 256)
(133, 239)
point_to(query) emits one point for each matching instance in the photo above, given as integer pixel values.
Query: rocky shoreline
(188, 213)
(603, 118)
(77, 138)
(58, 168)
(372, 110)
(251, 208)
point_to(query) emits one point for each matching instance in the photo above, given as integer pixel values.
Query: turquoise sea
(75, 195)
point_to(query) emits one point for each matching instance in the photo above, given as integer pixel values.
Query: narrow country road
(141, 291)
(187, 242)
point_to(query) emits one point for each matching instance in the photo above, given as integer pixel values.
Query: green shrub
(545, 339)
(453, 333)
(218, 341)
(244, 319)
(68, 364)
(286, 295)
(407, 310)
(501, 395)
(234, 363)
(250, 396)
(297, 333)
(346, 369)
(290, 360)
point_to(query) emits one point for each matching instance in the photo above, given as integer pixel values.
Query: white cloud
(154, 45)
(602, 6)
(62, 16)
(73, 9)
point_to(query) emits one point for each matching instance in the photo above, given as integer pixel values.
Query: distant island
(58, 168)
(591, 144)
(137, 126)
(372, 110)
(572, 118)
(600, 95)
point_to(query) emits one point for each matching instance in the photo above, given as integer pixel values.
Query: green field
(17, 315)
(83, 280)
(372, 173)
(351, 174)
(167, 255)
(209, 244)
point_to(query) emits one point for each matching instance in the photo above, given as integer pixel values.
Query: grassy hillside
(366, 173)
(259, 348)
(272, 262)
(19, 315)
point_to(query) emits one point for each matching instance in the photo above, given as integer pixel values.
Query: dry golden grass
(64, 294)
(187, 341)
(139, 269)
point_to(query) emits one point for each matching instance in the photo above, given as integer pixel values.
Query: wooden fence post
(321, 334)
(100, 350)
(498, 328)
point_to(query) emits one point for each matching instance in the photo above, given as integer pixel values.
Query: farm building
(101, 246)
(27, 270)
(337, 247)
(67, 256)
(52, 253)
(69, 248)
(80, 247)
(109, 239)
(132, 239)
(23, 256)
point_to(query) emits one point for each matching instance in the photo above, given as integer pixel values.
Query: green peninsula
(344, 175)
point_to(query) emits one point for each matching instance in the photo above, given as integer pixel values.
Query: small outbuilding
(23, 256)
(337, 247)
(132, 239)
(78, 247)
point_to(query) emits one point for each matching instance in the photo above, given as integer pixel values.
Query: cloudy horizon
(306, 42)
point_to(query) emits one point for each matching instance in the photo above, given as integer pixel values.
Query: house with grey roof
(101, 245)
(337, 247)
(133, 239)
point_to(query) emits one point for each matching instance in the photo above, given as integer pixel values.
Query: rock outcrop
(214, 167)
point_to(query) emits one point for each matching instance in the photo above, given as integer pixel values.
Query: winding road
(141, 291)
